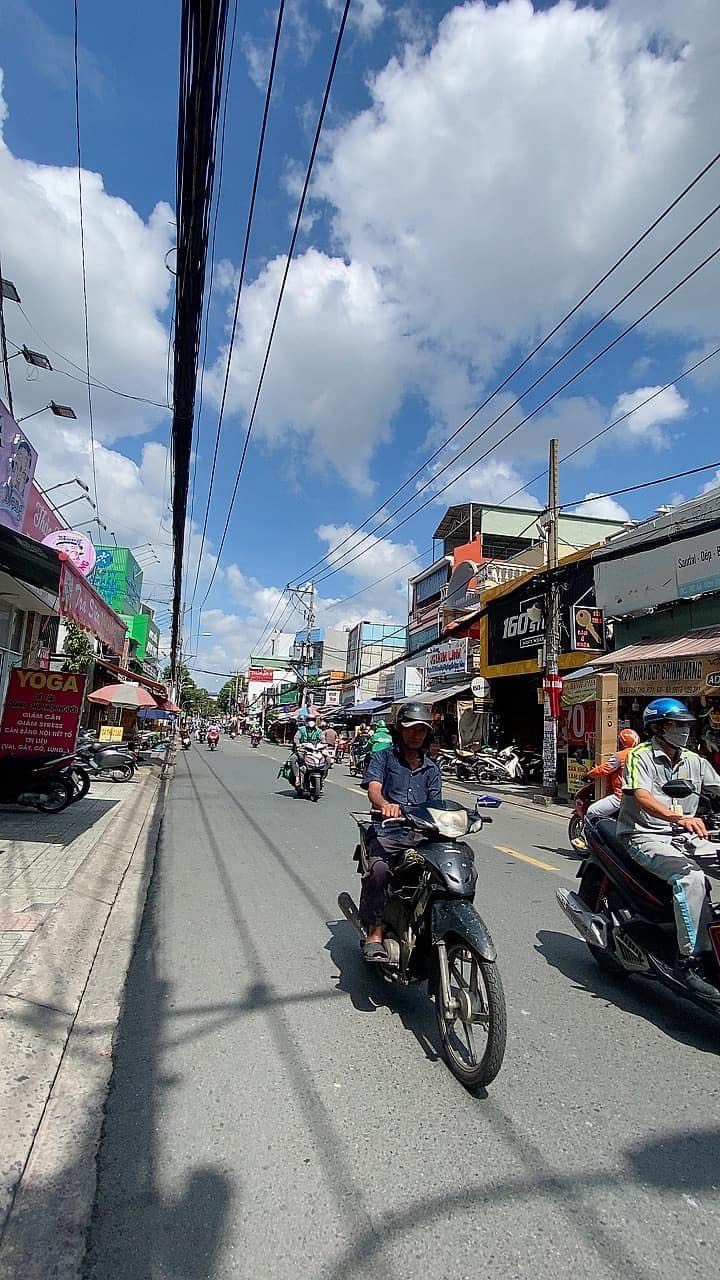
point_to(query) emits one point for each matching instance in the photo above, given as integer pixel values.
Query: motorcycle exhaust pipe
(590, 926)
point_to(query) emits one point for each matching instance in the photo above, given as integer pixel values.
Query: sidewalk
(72, 893)
(39, 855)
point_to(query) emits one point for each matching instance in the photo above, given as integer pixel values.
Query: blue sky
(482, 166)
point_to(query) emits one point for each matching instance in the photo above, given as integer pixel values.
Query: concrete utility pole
(3, 348)
(552, 626)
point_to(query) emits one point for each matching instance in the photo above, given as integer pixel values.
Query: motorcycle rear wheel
(476, 984)
(80, 783)
(58, 797)
(123, 773)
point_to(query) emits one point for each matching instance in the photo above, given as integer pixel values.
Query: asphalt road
(277, 1112)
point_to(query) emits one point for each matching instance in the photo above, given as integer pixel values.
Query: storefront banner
(516, 628)
(111, 733)
(674, 677)
(77, 547)
(698, 565)
(18, 460)
(449, 659)
(81, 604)
(40, 519)
(260, 675)
(42, 712)
(584, 689)
(579, 729)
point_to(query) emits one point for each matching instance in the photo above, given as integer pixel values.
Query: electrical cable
(548, 337)
(241, 280)
(290, 255)
(82, 252)
(563, 387)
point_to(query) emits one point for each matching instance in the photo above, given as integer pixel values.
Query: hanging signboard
(672, 677)
(516, 628)
(81, 604)
(111, 733)
(260, 675)
(447, 659)
(587, 629)
(77, 547)
(42, 712)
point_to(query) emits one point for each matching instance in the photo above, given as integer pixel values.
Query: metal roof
(706, 640)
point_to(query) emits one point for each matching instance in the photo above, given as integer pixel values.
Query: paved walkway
(39, 855)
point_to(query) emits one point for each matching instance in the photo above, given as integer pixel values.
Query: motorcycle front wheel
(473, 1032)
(80, 784)
(57, 797)
(576, 827)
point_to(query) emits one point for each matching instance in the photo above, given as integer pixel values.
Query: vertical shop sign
(42, 712)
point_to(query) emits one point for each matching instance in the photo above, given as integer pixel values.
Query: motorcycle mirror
(476, 825)
(678, 790)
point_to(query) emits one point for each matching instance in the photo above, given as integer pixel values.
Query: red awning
(157, 690)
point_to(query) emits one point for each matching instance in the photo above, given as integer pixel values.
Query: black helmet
(413, 713)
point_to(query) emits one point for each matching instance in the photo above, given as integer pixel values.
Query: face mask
(676, 734)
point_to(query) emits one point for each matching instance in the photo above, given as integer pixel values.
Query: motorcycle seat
(659, 889)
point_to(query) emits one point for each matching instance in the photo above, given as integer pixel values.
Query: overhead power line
(527, 418)
(544, 341)
(82, 252)
(202, 52)
(241, 280)
(278, 305)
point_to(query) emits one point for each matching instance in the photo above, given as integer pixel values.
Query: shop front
(686, 667)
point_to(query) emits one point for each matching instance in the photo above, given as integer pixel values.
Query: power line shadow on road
(370, 991)
(637, 996)
(138, 1229)
(344, 1187)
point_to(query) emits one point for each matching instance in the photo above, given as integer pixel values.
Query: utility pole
(309, 624)
(3, 348)
(551, 683)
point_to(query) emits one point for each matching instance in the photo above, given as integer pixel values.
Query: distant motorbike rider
(612, 769)
(663, 835)
(308, 734)
(402, 774)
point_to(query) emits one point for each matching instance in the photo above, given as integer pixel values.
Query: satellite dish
(460, 579)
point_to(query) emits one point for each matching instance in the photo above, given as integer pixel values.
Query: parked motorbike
(490, 768)
(106, 760)
(510, 757)
(531, 763)
(434, 933)
(582, 800)
(625, 914)
(313, 770)
(38, 782)
(458, 764)
(255, 738)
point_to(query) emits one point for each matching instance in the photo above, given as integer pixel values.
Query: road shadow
(369, 990)
(637, 996)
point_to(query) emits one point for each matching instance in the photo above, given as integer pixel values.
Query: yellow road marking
(525, 857)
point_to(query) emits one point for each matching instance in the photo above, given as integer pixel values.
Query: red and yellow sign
(42, 712)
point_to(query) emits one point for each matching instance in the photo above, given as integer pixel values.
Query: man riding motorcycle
(402, 774)
(663, 836)
(308, 734)
(612, 769)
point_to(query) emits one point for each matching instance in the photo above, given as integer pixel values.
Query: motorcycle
(625, 914)
(255, 738)
(39, 782)
(110, 760)
(458, 764)
(490, 768)
(185, 741)
(434, 933)
(313, 770)
(359, 757)
(213, 739)
(582, 800)
(531, 763)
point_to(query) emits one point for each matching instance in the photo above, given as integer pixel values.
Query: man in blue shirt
(402, 775)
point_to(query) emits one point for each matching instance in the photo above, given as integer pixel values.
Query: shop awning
(368, 708)
(154, 686)
(701, 643)
(443, 694)
(680, 666)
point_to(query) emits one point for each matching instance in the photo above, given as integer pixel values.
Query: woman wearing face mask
(664, 839)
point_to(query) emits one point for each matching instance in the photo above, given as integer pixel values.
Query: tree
(78, 648)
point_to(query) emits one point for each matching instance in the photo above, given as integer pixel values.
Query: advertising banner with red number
(42, 712)
(80, 603)
(579, 722)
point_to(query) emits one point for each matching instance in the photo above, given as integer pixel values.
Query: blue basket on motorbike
(487, 802)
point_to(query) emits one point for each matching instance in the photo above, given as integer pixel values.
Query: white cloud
(648, 423)
(600, 507)
(339, 367)
(128, 290)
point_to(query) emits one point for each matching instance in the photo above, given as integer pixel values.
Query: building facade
(370, 644)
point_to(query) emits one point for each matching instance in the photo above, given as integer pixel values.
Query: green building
(144, 637)
(118, 578)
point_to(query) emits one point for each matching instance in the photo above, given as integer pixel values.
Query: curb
(59, 1007)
